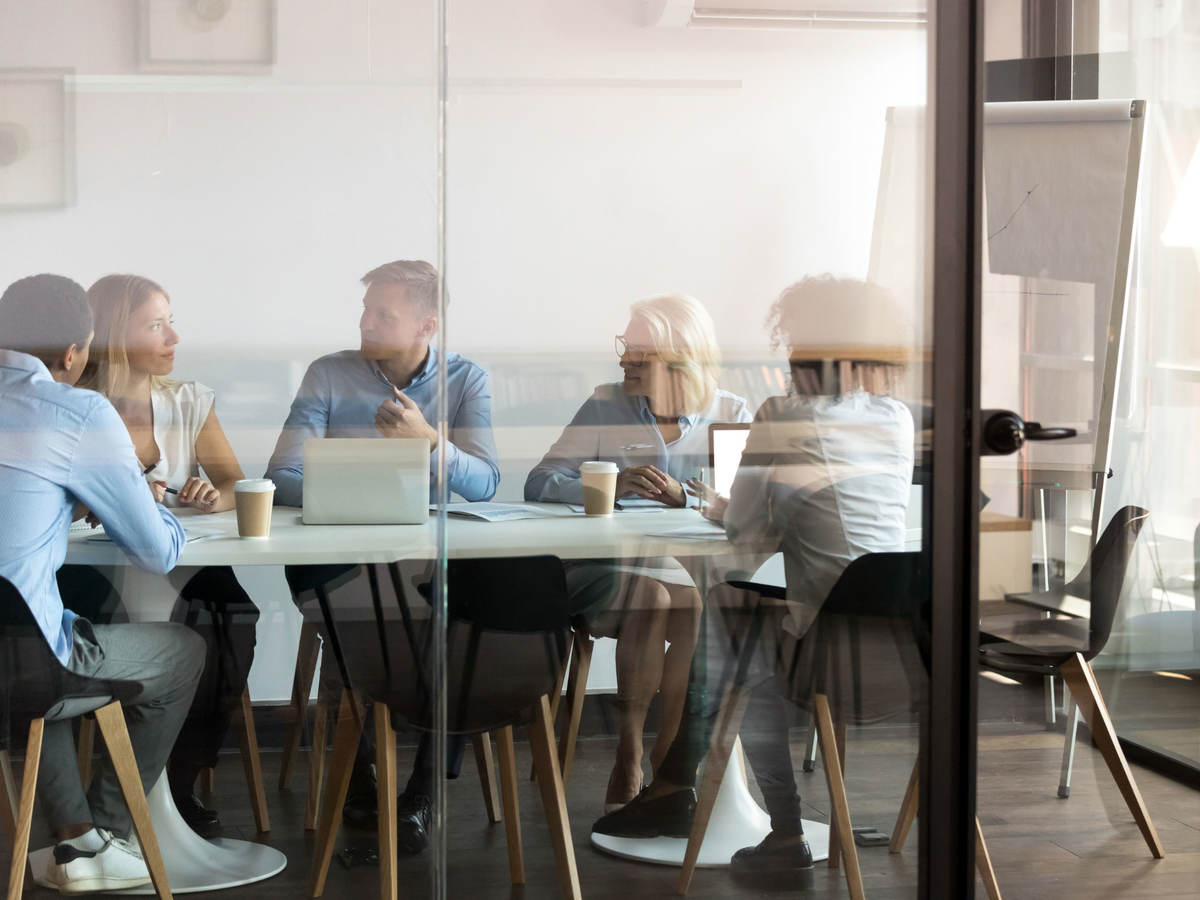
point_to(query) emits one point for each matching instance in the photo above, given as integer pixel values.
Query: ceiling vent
(785, 13)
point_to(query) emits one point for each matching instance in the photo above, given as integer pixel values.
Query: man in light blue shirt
(60, 446)
(388, 388)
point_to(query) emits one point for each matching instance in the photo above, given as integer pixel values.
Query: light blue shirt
(339, 396)
(614, 427)
(59, 445)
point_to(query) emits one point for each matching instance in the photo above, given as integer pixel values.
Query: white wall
(591, 161)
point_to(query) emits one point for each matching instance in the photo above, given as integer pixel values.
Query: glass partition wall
(687, 248)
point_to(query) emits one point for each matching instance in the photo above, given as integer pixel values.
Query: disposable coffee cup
(599, 487)
(253, 498)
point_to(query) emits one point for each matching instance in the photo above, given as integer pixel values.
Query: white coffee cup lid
(597, 467)
(253, 486)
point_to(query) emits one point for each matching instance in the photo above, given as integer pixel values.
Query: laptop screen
(725, 444)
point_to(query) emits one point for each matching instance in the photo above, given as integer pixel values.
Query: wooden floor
(1042, 847)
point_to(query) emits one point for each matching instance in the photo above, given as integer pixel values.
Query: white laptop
(726, 441)
(366, 481)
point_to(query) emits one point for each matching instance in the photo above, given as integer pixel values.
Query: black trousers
(214, 605)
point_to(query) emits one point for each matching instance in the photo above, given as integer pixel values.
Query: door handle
(1005, 432)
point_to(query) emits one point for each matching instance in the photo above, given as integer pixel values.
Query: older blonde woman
(654, 426)
(189, 462)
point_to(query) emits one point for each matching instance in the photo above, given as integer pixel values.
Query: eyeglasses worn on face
(636, 355)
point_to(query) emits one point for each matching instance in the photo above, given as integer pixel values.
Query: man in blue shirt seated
(59, 447)
(387, 388)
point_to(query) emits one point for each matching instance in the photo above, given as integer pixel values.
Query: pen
(149, 469)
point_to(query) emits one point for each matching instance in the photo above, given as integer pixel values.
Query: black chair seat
(1038, 637)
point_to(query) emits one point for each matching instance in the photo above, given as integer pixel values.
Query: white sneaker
(116, 866)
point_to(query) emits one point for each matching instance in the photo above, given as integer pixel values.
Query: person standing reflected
(654, 426)
(825, 478)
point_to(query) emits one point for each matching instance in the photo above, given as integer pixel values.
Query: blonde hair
(685, 339)
(419, 278)
(114, 299)
(841, 314)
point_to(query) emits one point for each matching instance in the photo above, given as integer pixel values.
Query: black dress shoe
(667, 816)
(202, 820)
(414, 813)
(780, 861)
(361, 810)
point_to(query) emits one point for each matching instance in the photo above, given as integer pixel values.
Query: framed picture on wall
(234, 37)
(37, 139)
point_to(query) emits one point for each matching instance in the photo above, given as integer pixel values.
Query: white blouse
(180, 410)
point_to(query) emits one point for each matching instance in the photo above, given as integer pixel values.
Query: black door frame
(956, 92)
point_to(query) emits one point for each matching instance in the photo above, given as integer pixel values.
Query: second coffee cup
(253, 498)
(599, 487)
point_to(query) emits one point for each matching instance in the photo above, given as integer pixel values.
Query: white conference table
(195, 864)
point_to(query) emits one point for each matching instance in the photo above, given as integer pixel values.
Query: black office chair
(47, 691)
(1066, 647)
(882, 600)
(506, 647)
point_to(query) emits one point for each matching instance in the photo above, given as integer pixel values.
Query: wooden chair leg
(581, 666)
(24, 818)
(111, 720)
(345, 745)
(839, 806)
(908, 809)
(85, 749)
(302, 679)
(506, 757)
(385, 775)
(725, 731)
(208, 776)
(482, 743)
(556, 695)
(1081, 680)
(835, 842)
(316, 767)
(8, 797)
(252, 764)
(983, 862)
(554, 801)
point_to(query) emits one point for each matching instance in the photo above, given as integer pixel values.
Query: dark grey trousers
(166, 659)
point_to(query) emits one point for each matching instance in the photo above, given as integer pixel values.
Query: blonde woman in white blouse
(177, 437)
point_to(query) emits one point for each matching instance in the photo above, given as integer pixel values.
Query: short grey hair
(419, 278)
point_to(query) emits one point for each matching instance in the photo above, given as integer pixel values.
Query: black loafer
(414, 813)
(667, 816)
(779, 861)
(361, 810)
(202, 820)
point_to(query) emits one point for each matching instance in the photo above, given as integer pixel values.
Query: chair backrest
(506, 642)
(32, 680)
(1106, 573)
(870, 637)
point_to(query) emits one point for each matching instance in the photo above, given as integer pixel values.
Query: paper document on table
(621, 508)
(701, 531)
(495, 512)
(193, 535)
